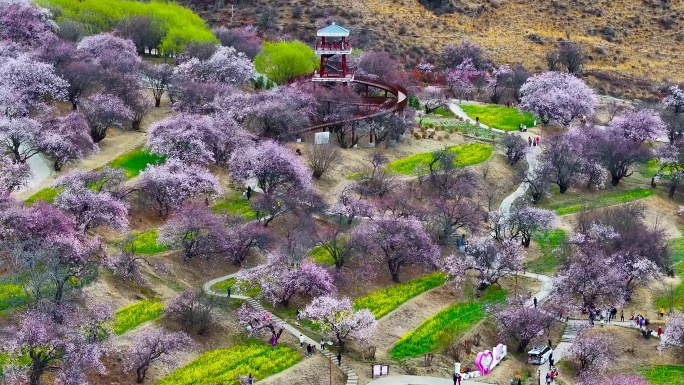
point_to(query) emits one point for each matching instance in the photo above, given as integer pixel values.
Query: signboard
(322, 138)
(487, 360)
(380, 370)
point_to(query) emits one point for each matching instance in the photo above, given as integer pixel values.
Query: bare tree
(515, 147)
(321, 158)
(568, 55)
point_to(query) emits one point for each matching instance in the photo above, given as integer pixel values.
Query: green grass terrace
(663, 374)
(134, 315)
(223, 366)
(497, 116)
(570, 203)
(382, 302)
(466, 155)
(455, 320)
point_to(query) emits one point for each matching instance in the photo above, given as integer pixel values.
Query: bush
(283, 60)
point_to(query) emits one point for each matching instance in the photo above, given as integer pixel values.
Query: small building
(333, 41)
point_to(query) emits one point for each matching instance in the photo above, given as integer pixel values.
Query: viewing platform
(333, 77)
(344, 48)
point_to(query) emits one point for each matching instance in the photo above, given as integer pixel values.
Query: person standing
(308, 350)
(622, 315)
(660, 331)
(301, 340)
(455, 379)
(249, 192)
(228, 291)
(339, 359)
(250, 379)
(537, 140)
(535, 302)
(529, 141)
(322, 345)
(662, 312)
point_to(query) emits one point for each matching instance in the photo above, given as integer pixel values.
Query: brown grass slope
(633, 45)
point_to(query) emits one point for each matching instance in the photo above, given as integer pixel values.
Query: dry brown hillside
(632, 44)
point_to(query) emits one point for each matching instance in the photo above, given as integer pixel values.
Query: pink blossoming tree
(154, 345)
(557, 96)
(338, 319)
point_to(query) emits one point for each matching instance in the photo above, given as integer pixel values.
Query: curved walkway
(352, 377)
(395, 104)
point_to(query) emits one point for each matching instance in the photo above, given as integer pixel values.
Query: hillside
(632, 45)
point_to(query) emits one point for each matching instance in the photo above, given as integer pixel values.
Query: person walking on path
(537, 140)
(660, 331)
(322, 345)
(622, 315)
(301, 340)
(308, 350)
(339, 359)
(535, 302)
(249, 192)
(662, 312)
(529, 141)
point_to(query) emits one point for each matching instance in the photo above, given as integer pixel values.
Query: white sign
(322, 138)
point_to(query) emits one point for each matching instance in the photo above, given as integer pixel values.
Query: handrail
(334, 47)
(389, 106)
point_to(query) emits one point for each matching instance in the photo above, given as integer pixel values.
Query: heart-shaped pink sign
(483, 361)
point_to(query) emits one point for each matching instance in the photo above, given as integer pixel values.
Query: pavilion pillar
(344, 66)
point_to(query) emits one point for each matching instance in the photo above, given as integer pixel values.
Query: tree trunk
(58, 165)
(74, 106)
(614, 179)
(157, 102)
(394, 270)
(673, 187)
(563, 188)
(340, 343)
(140, 374)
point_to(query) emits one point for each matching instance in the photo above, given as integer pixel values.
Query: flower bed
(131, 316)
(497, 116)
(382, 302)
(466, 155)
(146, 243)
(224, 365)
(454, 320)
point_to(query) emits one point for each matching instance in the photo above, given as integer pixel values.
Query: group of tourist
(604, 315)
(533, 142)
(552, 374)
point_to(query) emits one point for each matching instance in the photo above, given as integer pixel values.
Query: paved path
(420, 380)
(352, 377)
